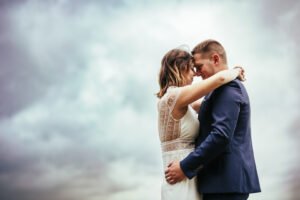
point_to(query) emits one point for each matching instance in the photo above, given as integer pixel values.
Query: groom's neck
(222, 67)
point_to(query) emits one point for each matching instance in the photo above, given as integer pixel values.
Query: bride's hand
(241, 76)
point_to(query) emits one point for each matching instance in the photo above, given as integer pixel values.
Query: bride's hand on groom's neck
(241, 76)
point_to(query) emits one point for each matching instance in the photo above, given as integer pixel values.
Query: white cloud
(93, 130)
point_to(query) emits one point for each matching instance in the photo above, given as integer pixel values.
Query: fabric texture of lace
(170, 128)
(177, 145)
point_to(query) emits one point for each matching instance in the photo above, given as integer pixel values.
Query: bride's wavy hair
(173, 65)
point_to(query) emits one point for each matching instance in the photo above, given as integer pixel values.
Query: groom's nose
(197, 71)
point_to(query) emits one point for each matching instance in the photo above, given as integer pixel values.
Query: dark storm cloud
(29, 152)
(283, 17)
(8, 3)
(16, 70)
(51, 161)
(22, 80)
(58, 143)
(66, 151)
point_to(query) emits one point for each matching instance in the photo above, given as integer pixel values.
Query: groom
(223, 159)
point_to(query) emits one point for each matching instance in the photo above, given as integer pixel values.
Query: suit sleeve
(225, 112)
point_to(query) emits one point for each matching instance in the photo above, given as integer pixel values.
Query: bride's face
(189, 76)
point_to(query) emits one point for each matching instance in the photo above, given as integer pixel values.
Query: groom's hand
(173, 173)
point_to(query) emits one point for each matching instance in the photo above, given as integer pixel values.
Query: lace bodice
(174, 133)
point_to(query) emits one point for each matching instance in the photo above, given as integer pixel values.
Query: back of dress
(176, 134)
(177, 137)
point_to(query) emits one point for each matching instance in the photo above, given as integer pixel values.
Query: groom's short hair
(210, 46)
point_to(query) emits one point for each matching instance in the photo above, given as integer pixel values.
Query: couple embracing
(206, 146)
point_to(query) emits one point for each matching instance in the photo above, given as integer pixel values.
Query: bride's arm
(195, 91)
(196, 105)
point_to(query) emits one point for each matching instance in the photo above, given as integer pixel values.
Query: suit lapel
(204, 104)
(208, 96)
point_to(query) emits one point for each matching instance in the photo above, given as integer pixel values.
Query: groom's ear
(215, 58)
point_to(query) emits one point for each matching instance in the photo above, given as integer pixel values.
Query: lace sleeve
(173, 94)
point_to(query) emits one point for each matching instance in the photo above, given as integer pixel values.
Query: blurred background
(78, 115)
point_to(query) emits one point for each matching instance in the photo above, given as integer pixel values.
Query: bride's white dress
(177, 141)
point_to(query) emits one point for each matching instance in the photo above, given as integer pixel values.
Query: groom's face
(205, 66)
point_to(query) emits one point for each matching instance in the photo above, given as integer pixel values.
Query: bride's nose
(193, 72)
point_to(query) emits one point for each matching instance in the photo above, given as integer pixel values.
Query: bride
(177, 106)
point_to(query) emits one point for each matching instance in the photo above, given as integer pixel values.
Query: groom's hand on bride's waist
(174, 174)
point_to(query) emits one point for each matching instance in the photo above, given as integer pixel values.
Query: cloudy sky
(77, 108)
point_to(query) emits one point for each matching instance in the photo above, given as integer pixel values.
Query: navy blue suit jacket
(223, 159)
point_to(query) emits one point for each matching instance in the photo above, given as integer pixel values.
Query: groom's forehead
(197, 56)
(201, 56)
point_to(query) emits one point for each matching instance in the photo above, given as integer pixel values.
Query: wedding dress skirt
(184, 190)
